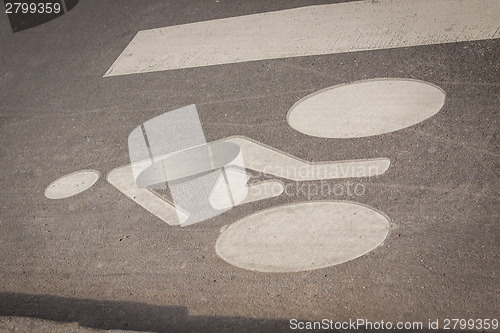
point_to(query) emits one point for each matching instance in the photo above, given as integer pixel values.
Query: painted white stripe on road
(267, 160)
(123, 179)
(313, 30)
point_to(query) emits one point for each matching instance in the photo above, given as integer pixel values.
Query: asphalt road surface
(99, 261)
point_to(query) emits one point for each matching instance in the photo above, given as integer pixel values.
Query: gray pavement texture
(98, 261)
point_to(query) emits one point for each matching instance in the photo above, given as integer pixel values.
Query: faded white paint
(123, 179)
(312, 30)
(233, 191)
(302, 236)
(219, 198)
(265, 159)
(71, 184)
(366, 108)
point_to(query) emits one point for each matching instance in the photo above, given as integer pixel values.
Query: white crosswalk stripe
(313, 30)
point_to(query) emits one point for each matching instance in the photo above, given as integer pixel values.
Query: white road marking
(366, 108)
(263, 190)
(123, 179)
(223, 196)
(168, 133)
(313, 30)
(302, 236)
(265, 159)
(71, 184)
(255, 156)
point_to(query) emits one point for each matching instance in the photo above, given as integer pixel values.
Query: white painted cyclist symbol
(169, 153)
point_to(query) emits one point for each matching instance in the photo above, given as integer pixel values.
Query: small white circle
(302, 236)
(366, 108)
(71, 184)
